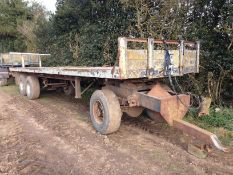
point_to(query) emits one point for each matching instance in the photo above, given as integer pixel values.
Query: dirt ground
(53, 135)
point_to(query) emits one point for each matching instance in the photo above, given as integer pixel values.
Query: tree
(36, 16)
(85, 32)
(209, 21)
(12, 13)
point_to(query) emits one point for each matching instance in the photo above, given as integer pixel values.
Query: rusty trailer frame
(131, 86)
(17, 59)
(135, 63)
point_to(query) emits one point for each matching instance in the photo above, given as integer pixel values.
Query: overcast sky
(49, 4)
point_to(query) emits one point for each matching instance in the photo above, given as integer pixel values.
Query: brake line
(168, 72)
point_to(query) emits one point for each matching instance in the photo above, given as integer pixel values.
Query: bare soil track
(53, 135)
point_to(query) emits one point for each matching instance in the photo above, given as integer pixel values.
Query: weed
(220, 123)
(223, 118)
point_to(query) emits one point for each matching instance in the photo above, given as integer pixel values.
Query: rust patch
(158, 92)
(171, 106)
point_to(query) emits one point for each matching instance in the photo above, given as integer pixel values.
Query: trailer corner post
(150, 56)
(23, 61)
(181, 64)
(1, 59)
(39, 59)
(40, 63)
(11, 57)
(122, 42)
(198, 56)
(77, 88)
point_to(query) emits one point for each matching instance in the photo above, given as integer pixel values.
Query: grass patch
(11, 89)
(87, 95)
(220, 123)
(48, 97)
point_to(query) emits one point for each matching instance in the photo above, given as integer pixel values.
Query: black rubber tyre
(69, 90)
(32, 88)
(3, 82)
(105, 111)
(22, 85)
(134, 111)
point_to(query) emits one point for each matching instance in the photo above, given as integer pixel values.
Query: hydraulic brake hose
(168, 71)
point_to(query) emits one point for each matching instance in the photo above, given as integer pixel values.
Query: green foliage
(85, 32)
(17, 24)
(210, 22)
(12, 14)
(220, 123)
(223, 119)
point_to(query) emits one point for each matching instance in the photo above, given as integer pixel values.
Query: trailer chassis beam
(78, 93)
(170, 106)
(199, 133)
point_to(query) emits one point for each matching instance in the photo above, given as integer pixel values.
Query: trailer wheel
(69, 90)
(32, 87)
(3, 82)
(22, 85)
(105, 111)
(134, 111)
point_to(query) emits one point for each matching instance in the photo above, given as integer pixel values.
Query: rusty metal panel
(169, 106)
(137, 63)
(149, 102)
(190, 61)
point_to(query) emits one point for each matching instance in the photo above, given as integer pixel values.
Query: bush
(223, 119)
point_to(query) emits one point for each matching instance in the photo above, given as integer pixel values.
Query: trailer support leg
(77, 88)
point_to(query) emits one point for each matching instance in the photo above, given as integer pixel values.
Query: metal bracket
(122, 50)
(77, 88)
(198, 56)
(181, 64)
(150, 56)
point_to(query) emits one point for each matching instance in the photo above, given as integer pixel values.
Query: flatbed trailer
(131, 86)
(17, 59)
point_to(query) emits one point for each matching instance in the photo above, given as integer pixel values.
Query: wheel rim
(98, 112)
(28, 89)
